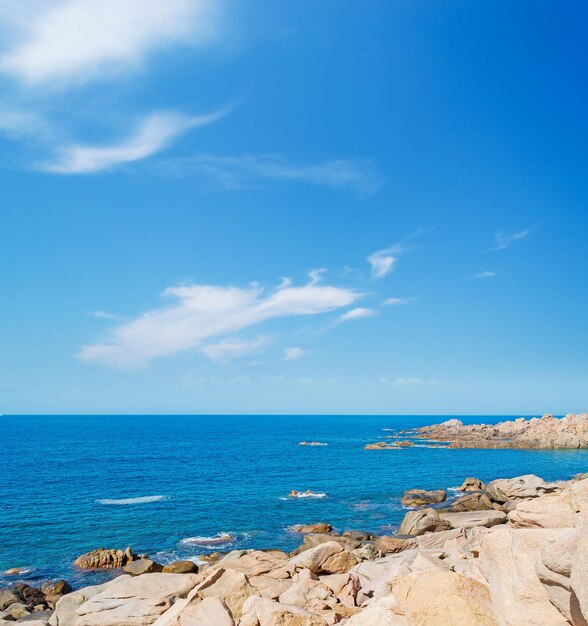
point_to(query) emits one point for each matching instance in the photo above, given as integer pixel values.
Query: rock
(180, 567)
(105, 559)
(529, 486)
(469, 519)
(358, 535)
(550, 511)
(422, 521)
(231, 586)
(37, 617)
(132, 601)
(477, 501)
(18, 610)
(29, 595)
(7, 597)
(472, 484)
(312, 528)
(578, 582)
(142, 566)
(507, 560)
(391, 545)
(262, 612)
(253, 562)
(327, 558)
(443, 598)
(55, 590)
(418, 497)
(381, 445)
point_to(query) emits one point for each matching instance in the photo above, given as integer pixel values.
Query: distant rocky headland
(513, 552)
(538, 433)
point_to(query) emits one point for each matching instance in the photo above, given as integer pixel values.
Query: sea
(180, 487)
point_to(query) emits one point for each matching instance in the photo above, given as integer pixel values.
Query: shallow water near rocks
(178, 487)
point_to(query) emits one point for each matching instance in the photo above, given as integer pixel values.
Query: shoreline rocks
(102, 558)
(518, 558)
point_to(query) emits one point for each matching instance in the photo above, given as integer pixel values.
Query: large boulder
(133, 601)
(472, 484)
(326, 558)
(102, 558)
(304, 529)
(55, 590)
(260, 611)
(142, 566)
(7, 597)
(554, 510)
(419, 497)
(443, 598)
(228, 585)
(422, 521)
(180, 567)
(507, 560)
(469, 519)
(528, 486)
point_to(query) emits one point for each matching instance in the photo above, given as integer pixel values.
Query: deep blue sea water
(69, 484)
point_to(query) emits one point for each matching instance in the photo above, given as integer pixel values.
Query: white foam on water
(124, 501)
(220, 539)
(308, 494)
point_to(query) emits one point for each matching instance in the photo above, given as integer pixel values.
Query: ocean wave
(220, 539)
(139, 500)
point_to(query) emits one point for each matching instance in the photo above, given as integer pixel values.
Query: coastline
(488, 554)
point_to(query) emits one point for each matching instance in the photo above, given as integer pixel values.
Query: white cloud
(103, 315)
(294, 354)
(503, 240)
(398, 301)
(75, 41)
(229, 349)
(383, 261)
(357, 314)
(405, 381)
(487, 274)
(200, 313)
(155, 132)
(238, 172)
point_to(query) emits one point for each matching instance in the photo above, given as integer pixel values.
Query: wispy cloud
(229, 349)
(294, 353)
(398, 301)
(201, 313)
(384, 261)
(357, 314)
(103, 315)
(155, 133)
(75, 41)
(503, 240)
(486, 274)
(246, 171)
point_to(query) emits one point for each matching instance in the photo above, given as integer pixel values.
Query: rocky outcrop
(102, 558)
(419, 497)
(181, 567)
(547, 432)
(304, 529)
(142, 566)
(472, 484)
(527, 567)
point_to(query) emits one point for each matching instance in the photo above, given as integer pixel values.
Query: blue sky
(293, 207)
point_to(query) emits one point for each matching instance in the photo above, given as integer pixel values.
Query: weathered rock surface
(422, 521)
(419, 497)
(312, 528)
(142, 566)
(181, 567)
(472, 484)
(469, 519)
(547, 432)
(102, 558)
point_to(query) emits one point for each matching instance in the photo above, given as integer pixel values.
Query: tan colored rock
(102, 558)
(472, 484)
(253, 562)
(181, 567)
(133, 601)
(269, 587)
(507, 560)
(142, 566)
(579, 582)
(422, 521)
(443, 598)
(389, 545)
(312, 528)
(549, 511)
(327, 558)
(232, 587)
(206, 612)
(528, 486)
(262, 612)
(469, 519)
(420, 497)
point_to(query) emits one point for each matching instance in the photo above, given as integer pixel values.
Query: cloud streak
(154, 133)
(503, 240)
(247, 171)
(205, 318)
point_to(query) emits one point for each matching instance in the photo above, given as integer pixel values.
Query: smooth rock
(422, 521)
(312, 528)
(469, 519)
(472, 484)
(419, 497)
(142, 566)
(180, 567)
(327, 558)
(528, 486)
(7, 597)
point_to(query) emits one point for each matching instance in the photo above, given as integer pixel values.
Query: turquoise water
(70, 484)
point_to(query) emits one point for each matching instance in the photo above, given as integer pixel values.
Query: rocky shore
(513, 552)
(547, 432)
